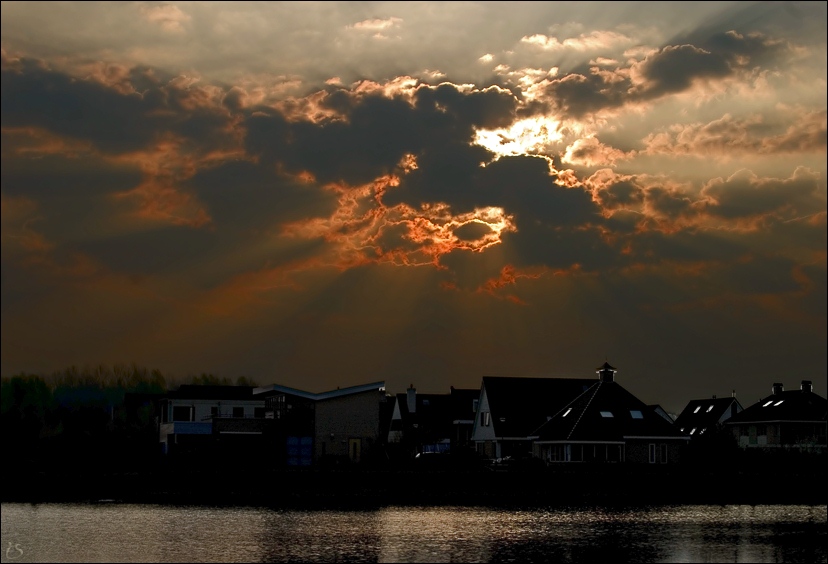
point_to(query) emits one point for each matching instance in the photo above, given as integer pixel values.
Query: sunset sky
(323, 194)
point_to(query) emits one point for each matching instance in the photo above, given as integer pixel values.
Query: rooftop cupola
(606, 373)
(807, 386)
(778, 388)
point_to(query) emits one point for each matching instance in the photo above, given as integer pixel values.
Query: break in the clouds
(322, 194)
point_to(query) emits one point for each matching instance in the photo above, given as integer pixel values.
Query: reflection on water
(160, 533)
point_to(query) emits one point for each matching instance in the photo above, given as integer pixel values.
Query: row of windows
(187, 412)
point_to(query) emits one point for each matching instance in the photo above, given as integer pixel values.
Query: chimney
(733, 394)
(606, 373)
(411, 398)
(807, 386)
(778, 388)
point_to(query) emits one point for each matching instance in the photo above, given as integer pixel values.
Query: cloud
(600, 41)
(730, 136)
(745, 195)
(590, 152)
(168, 16)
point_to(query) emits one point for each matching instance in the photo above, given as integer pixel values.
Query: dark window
(652, 453)
(182, 413)
(664, 454)
(238, 412)
(259, 412)
(214, 412)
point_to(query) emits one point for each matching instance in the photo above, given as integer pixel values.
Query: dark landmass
(372, 488)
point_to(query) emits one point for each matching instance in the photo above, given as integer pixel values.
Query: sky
(323, 194)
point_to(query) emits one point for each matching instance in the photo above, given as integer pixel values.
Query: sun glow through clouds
(531, 136)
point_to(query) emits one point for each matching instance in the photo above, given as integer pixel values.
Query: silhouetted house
(429, 423)
(338, 425)
(793, 419)
(606, 423)
(705, 417)
(198, 419)
(510, 409)
(420, 423)
(464, 403)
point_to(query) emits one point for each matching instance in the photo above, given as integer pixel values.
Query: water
(115, 532)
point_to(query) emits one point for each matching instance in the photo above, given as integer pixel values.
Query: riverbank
(309, 488)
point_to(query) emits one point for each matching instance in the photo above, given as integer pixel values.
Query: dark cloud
(252, 197)
(114, 121)
(674, 68)
(745, 195)
(36, 96)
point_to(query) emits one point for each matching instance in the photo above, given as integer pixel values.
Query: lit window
(709, 409)
(693, 430)
(606, 414)
(697, 409)
(767, 403)
(702, 431)
(777, 403)
(636, 414)
(567, 412)
(682, 429)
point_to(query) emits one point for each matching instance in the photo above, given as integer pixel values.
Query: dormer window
(567, 412)
(697, 409)
(767, 403)
(635, 414)
(777, 403)
(606, 414)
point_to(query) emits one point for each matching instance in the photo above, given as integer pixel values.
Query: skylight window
(697, 409)
(709, 409)
(606, 414)
(636, 414)
(777, 403)
(567, 412)
(767, 403)
(693, 430)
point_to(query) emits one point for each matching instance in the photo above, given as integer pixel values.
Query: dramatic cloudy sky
(329, 194)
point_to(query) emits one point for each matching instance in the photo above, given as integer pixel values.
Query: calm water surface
(163, 533)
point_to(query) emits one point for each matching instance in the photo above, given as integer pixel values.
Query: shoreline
(312, 488)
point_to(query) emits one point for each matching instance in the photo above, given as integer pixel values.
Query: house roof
(606, 412)
(520, 405)
(462, 403)
(705, 413)
(277, 388)
(790, 405)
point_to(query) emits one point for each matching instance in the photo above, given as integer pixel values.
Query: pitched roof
(790, 405)
(278, 388)
(706, 413)
(519, 405)
(606, 412)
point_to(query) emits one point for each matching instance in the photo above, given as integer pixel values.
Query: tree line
(101, 417)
